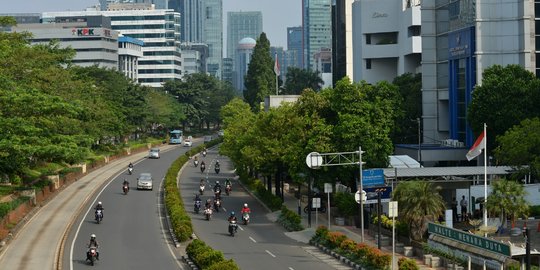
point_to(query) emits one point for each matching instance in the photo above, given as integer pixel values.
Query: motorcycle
(217, 204)
(216, 168)
(197, 207)
(321, 209)
(99, 216)
(201, 189)
(228, 189)
(203, 168)
(125, 188)
(130, 170)
(208, 213)
(245, 218)
(204, 153)
(91, 255)
(233, 227)
(196, 163)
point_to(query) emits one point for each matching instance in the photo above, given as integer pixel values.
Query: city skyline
(276, 18)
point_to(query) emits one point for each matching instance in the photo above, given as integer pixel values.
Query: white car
(145, 181)
(188, 143)
(154, 153)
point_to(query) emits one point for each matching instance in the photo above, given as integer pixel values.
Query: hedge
(290, 220)
(207, 258)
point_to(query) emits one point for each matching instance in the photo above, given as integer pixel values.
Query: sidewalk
(351, 232)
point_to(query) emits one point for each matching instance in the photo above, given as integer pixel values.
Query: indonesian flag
(478, 146)
(276, 66)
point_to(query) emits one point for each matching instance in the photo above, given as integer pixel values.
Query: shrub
(273, 202)
(534, 211)
(361, 250)
(377, 259)
(206, 259)
(229, 265)
(407, 264)
(290, 220)
(6, 207)
(348, 246)
(335, 239)
(321, 235)
(345, 203)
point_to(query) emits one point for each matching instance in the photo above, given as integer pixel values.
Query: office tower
(244, 50)
(317, 27)
(242, 24)
(342, 40)
(294, 46)
(227, 74)
(191, 12)
(158, 29)
(212, 35)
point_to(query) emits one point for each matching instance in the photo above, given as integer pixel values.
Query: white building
(158, 29)
(129, 52)
(386, 39)
(244, 50)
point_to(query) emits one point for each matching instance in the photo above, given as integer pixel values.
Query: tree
(507, 198)
(419, 202)
(299, 79)
(260, 80)
(406, 126)
(520, 147)
(507, 96)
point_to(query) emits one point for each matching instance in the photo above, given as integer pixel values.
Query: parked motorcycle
(233, 227)
(217, 204)
(197, 206)
(245, 218)
(208, 213)
(228, 189)
(99, 216)
(91, 255)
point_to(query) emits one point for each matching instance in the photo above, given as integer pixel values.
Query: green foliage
(534, 211)
(507, 199)
(6, 207)
(260, 80)
(300, 79)
(506, 96)
(207, 258)
(402, 228)
(273, 202)
(225, 264)
(345, 203)
(290, 220)
(406, 126)
(520, 147)
(407, 264)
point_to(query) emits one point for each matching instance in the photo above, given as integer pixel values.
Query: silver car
(154, 153)
(145, 181)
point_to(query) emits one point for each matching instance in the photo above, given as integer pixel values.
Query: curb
(190, 263)
(237, 178)
(338, 257)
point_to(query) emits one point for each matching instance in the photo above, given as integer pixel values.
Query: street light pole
(419, 142)
(527, 249)
(361, 190)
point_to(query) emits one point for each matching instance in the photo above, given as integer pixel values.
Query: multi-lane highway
(261, 244)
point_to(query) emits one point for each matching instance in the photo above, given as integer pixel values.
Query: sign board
(372, 177)
(327, 188)
(357, 196)
(316, 203)
(314, 160)
(386, 193)
(470, 239)
(392, 209)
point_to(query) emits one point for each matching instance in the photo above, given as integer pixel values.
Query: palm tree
(419, 202)
(507, 198)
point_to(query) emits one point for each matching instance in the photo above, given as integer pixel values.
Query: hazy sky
(277, 14)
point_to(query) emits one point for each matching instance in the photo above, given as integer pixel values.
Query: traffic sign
(357, 196)
(386, 193)
(327, 188)
(314, 160)
(316, 203)
(372, 177)
(392, 209)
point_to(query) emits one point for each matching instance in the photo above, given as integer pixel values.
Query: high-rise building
(227, 74)
(194, 57)
(242, 24)
(159, 29)
(104, 4)
(212, 35)
(342, 40)
(191, 12)
(244, 50)
(129, 53)
(294, 46)
(317, 27)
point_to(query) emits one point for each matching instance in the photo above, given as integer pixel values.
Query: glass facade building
(317, 26)
(294, 45)
(213, 35)
(242, 24)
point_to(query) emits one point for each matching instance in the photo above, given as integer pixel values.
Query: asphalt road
(261, 244)
(133, 233)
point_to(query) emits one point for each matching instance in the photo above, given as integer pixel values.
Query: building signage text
(379, 15)
(470, 239)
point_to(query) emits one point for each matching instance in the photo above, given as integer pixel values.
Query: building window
(368, 38)
(368, 63)
(414, 31)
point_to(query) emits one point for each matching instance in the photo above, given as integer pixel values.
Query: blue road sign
(386, 194)
(372, 177)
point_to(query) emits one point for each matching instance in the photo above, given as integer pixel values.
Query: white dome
(247, 43)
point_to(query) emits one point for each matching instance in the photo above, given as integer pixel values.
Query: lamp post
(419, 142)
(527, 247)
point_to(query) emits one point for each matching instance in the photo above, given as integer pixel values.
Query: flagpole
(276, 68)
(485, 176)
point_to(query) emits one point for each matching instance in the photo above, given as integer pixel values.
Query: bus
(175, 137)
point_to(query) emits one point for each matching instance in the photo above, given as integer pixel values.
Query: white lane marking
(224, 209)
(240, 227)
(163, 231)
(290, 268)
(270, 253)
(253, 240)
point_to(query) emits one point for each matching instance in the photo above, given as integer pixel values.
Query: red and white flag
(478, 146)
(276, 66)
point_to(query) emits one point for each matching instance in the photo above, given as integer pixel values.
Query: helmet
(92, 236)
(217, 182)
(245, 205)
(232, 213)
(99, 203)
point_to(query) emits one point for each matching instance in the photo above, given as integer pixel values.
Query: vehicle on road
(245, 218)
(130, 170)
(145, 181)
(208, 213)
(125, 189)
(176, 137)
(154, 153)
(188, 143)
(233, 227)
(99, 216)
(91, 255)
(197, 206)
(228, 189)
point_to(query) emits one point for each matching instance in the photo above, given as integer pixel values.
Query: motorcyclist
(197, 202)
(130, 165)
(196, 161)
(228, 183)
(208, 203)
(203, 165)
(217, 188)
(93, 244)
(99, 206)
(232, 217)
(245, 209)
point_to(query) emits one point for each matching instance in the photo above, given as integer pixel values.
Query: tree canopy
(260, 80)
(297, 80)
